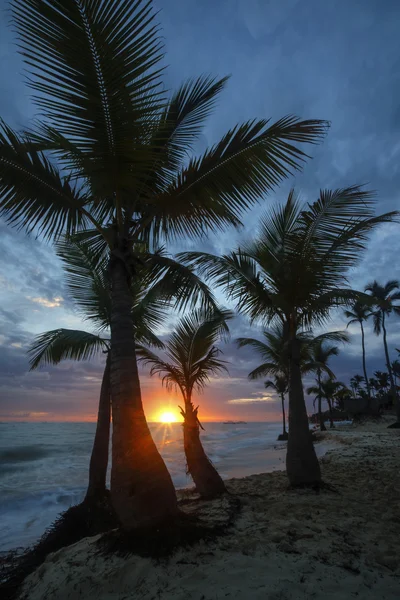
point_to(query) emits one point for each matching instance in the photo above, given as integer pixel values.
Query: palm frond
(95, 68)
(62, 344)
(33, 193)
(249, 161)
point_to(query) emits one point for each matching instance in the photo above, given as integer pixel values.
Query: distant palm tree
(321, 352)
(384, 298)
(191, 357)
(328, 389)
(295, 272)
(280, 385)
(383, 381)
(113, 155)
(359, 313)
(396, 371)
(355, 383)
(161, 282)
(274, 351)
(373, 385)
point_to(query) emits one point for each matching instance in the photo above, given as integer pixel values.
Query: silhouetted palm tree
(191, 357)
(295, 272)
(359, 313)
(383, 297)
(321, 352)
(280, 385)
(275, 352)
(154, 290)
(112, 156)
(328, 389)
(355, 383)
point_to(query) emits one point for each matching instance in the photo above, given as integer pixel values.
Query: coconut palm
(274, 351)
(280, 385)
(295, 273)
(355, 383)
(384, 298)
(160, 283)
(321, 352)
(327, 388)
(359, 313)
(191, 357)
(110, 154)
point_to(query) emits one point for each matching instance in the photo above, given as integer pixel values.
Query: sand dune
(284, 545)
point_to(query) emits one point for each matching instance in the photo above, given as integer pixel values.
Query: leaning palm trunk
(206, 478)
(365, 366)
(99, 459)
(320, 417)
(302, 465)
(389, 368)
(142, 491)
(332, 424)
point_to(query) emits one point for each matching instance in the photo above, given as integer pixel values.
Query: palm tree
(295, 273)
(355, 383)
(191, 357)
(396, 371)
(280, 386)
(383, 298)
(274, 351)
(321, 352)
(383, 383)
(110, 156)
(359, 313)
(327, 388)
(153, 291)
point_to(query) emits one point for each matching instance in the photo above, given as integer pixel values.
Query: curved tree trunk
(364, 365)
(396, 400)
(283, 414)
(99, 458)
(206, 478)
(142, 491)
(332, 424)
(320, 417)
(302, 465)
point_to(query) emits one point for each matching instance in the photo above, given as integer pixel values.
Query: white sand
(285, 545)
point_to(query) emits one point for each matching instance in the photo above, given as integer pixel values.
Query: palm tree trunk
(283, 414)
(207, 480)
(320, 417)
(302, 465)
(99, 459)
(142, 491)
(389, 368)
(332, 424)
(365, 366)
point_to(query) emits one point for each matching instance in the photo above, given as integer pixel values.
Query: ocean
(44, 466)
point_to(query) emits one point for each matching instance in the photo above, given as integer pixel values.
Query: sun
(167, 417)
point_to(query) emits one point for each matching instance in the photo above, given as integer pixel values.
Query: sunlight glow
(167, 417)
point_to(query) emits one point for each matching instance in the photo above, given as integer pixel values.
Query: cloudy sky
(336, 60)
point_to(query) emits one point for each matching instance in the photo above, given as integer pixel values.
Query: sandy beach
(284, 545)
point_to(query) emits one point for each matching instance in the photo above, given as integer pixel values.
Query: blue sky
(333, 60)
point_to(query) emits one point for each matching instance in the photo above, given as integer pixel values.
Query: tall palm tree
(110, 156)
(359, 313)
(274, 351)
(384, 298)
(327, 388)
(321, 352)
(280, 385)
(191, 357)
(295, 273)
(154, 290)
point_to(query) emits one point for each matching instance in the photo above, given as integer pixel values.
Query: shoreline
(283, 545)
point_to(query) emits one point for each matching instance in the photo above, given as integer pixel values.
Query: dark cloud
(334, 60)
